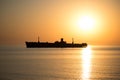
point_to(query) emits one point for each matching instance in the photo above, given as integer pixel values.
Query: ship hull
(54, 45)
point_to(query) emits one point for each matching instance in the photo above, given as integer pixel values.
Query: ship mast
(72, 40)
(38, 39)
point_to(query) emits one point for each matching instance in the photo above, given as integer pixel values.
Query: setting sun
(86, 23)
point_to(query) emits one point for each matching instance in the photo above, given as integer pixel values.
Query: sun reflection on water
(86, 63)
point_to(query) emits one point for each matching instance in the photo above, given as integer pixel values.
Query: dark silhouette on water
(56, 44)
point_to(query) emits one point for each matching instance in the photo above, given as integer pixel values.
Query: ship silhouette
(56, 44)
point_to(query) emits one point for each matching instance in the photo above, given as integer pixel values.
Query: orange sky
(52, 19)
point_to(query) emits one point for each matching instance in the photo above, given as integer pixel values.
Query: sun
(86, 23)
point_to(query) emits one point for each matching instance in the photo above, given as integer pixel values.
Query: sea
(91, 63)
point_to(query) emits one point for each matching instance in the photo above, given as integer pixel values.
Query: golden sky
(91, 21)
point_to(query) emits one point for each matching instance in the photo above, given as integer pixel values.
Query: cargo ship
(56, 44)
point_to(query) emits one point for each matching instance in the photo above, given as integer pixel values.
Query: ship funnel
(62, 40)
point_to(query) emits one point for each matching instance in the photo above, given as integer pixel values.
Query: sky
(96, 22)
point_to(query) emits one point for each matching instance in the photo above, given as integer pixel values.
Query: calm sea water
(91, 63)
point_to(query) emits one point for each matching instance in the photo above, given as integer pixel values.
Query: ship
(56, 44)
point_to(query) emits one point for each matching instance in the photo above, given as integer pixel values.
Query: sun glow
(86, 23)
